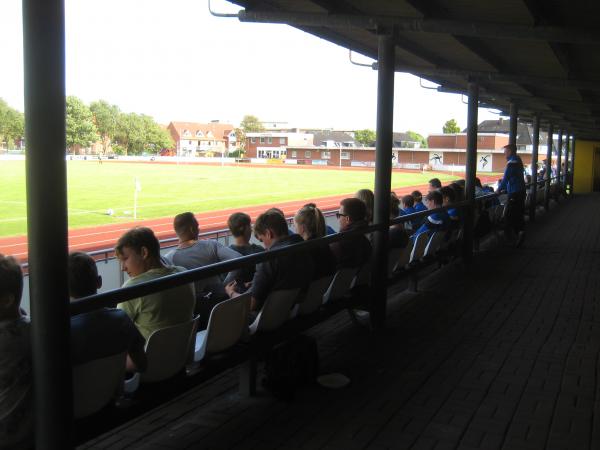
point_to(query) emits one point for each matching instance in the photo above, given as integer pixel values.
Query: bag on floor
(290, 366)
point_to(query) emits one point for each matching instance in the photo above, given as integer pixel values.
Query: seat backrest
(435, 242)
(393, 257)
(420, 242)
(227, 323)
(275, 311)
(314, 295)
(404, 257)
(96, 383)
(167, 351)
(340, 285)
(363, 275)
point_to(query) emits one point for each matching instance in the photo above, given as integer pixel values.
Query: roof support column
(383, 175)
(512, 130)
(559, 151)
(566, 176)
(534, 168)
(573, 164)
(471, 170)
(44, 61)
(550, 142)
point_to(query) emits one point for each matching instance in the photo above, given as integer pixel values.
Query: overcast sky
(175, 61)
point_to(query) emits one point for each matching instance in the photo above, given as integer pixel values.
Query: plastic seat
(340, 285)
(435, 242)
(276, 310)
(363, 275)
(96, 383)
(227, 323)
(418, 251)
(404, 256)
(167, 351)
(314, 296)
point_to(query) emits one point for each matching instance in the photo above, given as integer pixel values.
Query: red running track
(105, 236)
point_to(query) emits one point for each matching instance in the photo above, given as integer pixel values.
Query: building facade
(202, 139)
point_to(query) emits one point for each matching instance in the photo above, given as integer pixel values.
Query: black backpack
(291, 365)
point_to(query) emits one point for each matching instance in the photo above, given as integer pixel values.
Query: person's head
(83, 275)
(509, 150)
(138, 251)
(478, 182)
(269, 227)
(11, 287)
(408, 201)
(186, 226)
(310, 222)
(368, 198)
(417, 196)
(434, 184)
(394, 206)
(448, 195)
(351, 210)
(276, 210)
(459, 191)
(434, 200)
(240, 225)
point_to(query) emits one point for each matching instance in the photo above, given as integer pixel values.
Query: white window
(190, 142)
(282, 141)
(262, 140)
(345, 155)
(325, 155)
(186, 133)
(270, 140)
(307, 154)
(199, 134)
(253, 140)
(294, 153)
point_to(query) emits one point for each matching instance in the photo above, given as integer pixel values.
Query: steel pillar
(550, 143)
(383, 176)
(567, 169)
(44, 65)
(512, 131)
(573, 164)
(534, 172)
(559, 160)
(471, 170)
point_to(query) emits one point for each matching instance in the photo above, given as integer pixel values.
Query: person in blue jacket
(513, 183)
(437, 221)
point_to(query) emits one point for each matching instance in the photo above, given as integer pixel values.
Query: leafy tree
(139, 133)
(240, 137)
(365, 137)
(106, 118)
(12, 124)
(251, 124)
(81, 129)
(451, 127)
(416, 137)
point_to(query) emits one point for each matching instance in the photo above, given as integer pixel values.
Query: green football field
(168, 189)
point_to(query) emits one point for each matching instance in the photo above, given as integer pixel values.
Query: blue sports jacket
(513, 180)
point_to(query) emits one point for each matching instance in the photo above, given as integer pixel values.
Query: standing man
(513, 183)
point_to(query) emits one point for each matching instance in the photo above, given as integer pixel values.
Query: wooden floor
(499, 355)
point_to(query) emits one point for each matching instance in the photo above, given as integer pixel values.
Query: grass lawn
(168, 189)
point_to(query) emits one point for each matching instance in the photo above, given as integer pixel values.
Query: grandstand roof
(542, 55)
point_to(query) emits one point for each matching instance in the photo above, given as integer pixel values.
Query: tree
(240, 138)
(451, 127)
(106, 118)
(12, 124)
(365, 137)
(251, 124)
(416, 137)
(81, 130)
(139, 133)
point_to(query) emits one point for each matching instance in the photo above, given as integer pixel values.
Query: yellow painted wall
(584, 165)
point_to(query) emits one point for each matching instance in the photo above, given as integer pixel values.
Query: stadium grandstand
(434, 324)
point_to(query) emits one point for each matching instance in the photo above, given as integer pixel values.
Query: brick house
(201, 139)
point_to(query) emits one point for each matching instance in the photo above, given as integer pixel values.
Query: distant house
(524, 133)
(404, 140)
(274, 144)
(201, 139)
(332, 139)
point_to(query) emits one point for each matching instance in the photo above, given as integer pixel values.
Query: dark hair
(408, 200)
(436, 183)
(276, 210)
(447, 191)
(136, 239)
(394, 206)
(511, 147)
(478, 182)
(311, 218)
(11, 278)
(368, 198)
(83, 275)
(271, 220)
(355, 209)
(435, 197)
(184, 223)
(417, 196)
(238, 223)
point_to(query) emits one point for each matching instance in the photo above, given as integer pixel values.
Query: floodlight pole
(383, 176)
(44, 76)
(550, 143)
(471, 170)
(534, 168)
